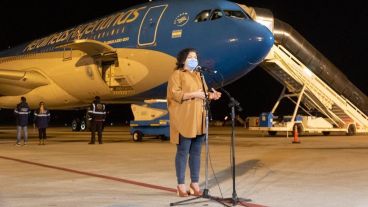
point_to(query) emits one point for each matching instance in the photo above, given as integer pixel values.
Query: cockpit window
(217, 14)
(203, 16)
(235, 14)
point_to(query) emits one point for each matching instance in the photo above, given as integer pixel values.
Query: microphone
(204, 69)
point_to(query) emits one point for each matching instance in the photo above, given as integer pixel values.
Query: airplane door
(108, 73)
(114, 77)
(148, 29)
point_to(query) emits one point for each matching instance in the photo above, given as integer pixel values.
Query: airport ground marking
(94, 175)
(132, 182)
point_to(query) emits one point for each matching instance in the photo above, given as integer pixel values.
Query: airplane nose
(258, 43)
(247, 49)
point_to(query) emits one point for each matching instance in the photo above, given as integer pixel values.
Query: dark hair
(97, 98)
(23, 99)
(182, 56)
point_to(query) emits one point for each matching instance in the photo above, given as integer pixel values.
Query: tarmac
(329, 171)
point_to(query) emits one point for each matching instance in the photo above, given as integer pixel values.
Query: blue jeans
(19, 131)
(193, 147)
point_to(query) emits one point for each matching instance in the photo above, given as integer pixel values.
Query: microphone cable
(214, 174)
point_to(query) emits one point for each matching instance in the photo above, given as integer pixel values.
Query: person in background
(21, 113)
(41, 120)
(97, 112)
(185, 98)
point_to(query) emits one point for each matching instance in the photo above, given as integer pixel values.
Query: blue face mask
(192, 63)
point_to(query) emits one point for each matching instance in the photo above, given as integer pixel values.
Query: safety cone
(296, 137)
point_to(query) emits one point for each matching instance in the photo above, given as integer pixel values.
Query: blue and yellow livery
(129, 55)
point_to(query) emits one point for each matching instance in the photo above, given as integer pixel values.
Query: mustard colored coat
(187, 117)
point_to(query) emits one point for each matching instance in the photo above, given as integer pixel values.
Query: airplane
(129, 55)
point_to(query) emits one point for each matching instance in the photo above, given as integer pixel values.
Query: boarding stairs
(313, 92)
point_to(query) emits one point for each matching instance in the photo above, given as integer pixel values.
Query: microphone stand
(205, 194)
(232, 104)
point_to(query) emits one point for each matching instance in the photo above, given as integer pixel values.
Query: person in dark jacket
(41, 120)
(97, 112)
(21, 113)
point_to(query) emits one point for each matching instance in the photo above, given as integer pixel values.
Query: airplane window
(217, 14)
(203, 16)
(235, 14)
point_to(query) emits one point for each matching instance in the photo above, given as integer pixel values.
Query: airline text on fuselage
(78, 32)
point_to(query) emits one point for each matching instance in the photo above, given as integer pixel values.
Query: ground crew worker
(21, 113)
(97, 112)
(41, 120)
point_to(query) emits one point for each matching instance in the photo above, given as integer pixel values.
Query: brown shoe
(181, 191)
(195, 190)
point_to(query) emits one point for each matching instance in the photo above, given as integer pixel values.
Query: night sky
(338, 31)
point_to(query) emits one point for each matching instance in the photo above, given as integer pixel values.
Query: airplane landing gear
(79, 125)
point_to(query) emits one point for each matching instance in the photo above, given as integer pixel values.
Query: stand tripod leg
(184, 201)
(205, 196)
(236, 201)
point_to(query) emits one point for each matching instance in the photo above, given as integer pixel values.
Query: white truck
(310, 124)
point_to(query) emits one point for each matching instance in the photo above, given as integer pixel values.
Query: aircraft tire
(351, 130)
(137, 136)
(83, 126)
(75, 125)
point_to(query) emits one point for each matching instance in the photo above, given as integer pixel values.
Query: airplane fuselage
(129, 55)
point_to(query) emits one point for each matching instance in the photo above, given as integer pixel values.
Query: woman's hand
(214, 95)
(198, 94)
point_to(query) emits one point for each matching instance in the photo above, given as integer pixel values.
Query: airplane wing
(14, 82)
(90, 47)
(19, 82)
